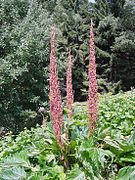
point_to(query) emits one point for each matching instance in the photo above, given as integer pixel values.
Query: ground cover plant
(108, 154)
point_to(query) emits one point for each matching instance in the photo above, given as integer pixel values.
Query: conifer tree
(105, 32)
(72, 18)
(124, 48)
(116, 7)
(100, 10)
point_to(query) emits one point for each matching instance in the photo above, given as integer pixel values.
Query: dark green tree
(124, 48)
(100, 10)
(73, 18)
(24, 62)
(114, 43)
(106, 32)
(116, 7)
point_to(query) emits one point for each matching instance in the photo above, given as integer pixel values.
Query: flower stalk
(56, 109)
(93, 88)
(69, 90)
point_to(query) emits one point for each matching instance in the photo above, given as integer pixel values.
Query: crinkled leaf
(76, 174)
(126, 173)
(13, 174)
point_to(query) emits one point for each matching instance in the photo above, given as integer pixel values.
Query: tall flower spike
(93, 88)
(69, 88)
(55, 94)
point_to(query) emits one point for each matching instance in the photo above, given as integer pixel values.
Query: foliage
(123, 48)
(72, 18)
(106, 32)
(115, 44)
(109, 154)
(24, 63)
(101, 10)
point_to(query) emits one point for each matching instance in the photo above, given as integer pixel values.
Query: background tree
(116, 7)
(72, 18)
(100, 10)
(24, 63)
(124, 48)
(112, 37)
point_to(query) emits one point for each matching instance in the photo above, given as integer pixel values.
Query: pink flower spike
(69, 88)
(56, 109)
(93, 88)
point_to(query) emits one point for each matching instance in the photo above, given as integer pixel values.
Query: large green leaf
(130, 158)
(76, 174)
(13, 174)
(126, 173)
(19, 159)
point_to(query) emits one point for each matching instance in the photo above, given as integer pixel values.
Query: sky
(92, 0)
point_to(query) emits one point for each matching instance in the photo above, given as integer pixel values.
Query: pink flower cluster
(56, 109)
(55, 94)
(93, 88)
(69, 88)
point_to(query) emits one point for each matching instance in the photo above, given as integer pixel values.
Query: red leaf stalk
(93, 88)
(56, 109)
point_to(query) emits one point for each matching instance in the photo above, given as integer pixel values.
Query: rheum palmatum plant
(56, 109)
(55, 94)
(93, 88)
